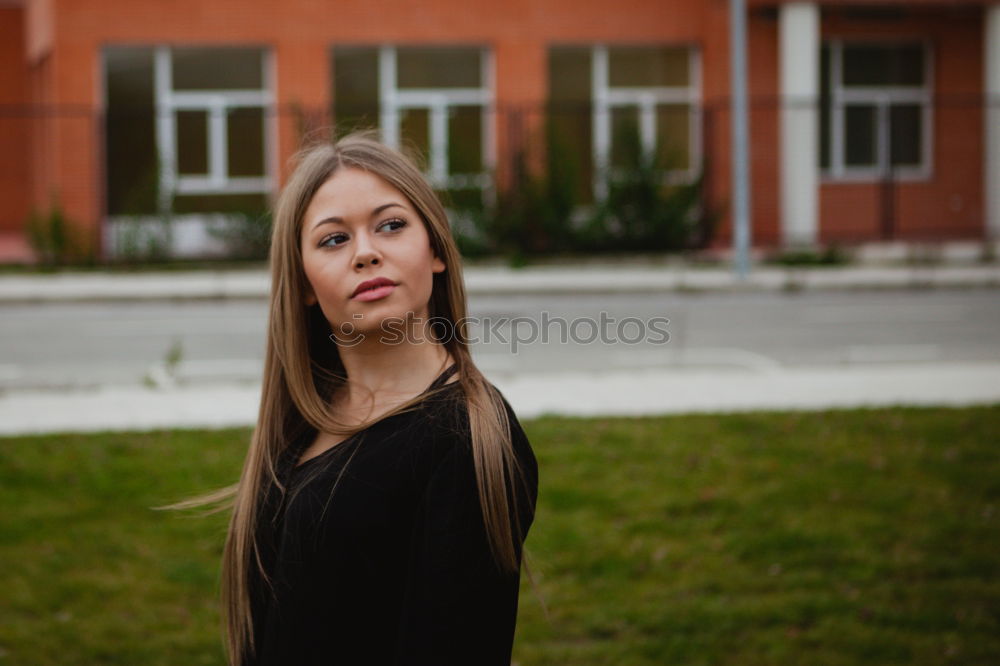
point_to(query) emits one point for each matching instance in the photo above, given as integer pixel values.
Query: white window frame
(438, 102)
(217, 104)
(882, 98)
(647, 98)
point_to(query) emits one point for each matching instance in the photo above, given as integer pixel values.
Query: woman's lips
(375, 294)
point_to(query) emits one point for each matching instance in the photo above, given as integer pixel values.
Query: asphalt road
(93, 344)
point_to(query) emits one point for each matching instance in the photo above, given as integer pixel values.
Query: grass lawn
(839, 537)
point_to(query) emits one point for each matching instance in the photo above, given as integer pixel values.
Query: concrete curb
(596, 279)
(613, 393)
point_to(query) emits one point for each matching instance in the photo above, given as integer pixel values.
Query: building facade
(869, 120)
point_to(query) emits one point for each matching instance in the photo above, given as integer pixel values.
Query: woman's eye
(396, 221)
(329, 240)
(334, 240)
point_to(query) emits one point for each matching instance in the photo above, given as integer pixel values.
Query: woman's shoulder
(447, 411)
(449, 426)
(440, 424)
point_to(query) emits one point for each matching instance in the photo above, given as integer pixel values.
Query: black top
(394, 566)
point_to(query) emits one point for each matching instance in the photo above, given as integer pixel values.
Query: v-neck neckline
(298, 450)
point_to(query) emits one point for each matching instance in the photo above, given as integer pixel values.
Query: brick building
(869, 119)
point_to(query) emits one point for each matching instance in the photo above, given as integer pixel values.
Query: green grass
(838, 537)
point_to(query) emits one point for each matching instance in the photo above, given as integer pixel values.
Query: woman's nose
(365, 252)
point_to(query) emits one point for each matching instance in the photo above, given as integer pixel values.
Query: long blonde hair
(302, 369)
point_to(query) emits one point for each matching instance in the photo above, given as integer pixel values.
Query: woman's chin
(389, 325)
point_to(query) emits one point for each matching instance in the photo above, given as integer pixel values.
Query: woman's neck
(393, 372)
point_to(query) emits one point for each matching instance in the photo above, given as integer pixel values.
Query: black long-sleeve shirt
(392, 567)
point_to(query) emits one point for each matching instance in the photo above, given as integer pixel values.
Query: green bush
(246, 235)
(535, 213)
(144, 239)
(56, 239)
(641, 211)
(530, 216)
(831, 255)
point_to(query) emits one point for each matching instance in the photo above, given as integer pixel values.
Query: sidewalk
(613, 393)
(616, 393)
(591, 277)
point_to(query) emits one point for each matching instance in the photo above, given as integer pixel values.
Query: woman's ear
(310, 298)
(437, 265)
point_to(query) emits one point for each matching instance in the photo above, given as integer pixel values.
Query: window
(130, 132)
(434, 99)
(602, 95)
(187, 129)
(875, 110)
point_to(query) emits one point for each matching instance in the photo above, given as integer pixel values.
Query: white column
(991, 92)
(389, 115)
(166, 128)
(799, 64)
(601, 123)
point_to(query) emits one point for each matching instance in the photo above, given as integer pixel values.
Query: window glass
(465, 138)
(414, 130)
(229, 68)
(438, 67)
(462, 199)
(135, 174)
(906, 136)
(192, 142)
(129, 77)
(860, 132)
(569, 139)
(570, 109)
(251, 204)
(880, 103)
(355, 87)
(130, 131)
(647, 66)
(427, 77)
(673, 135)
(245, 131)
(570, 77)
(635, 74)
(625, 146)
(825, 99)
(875, 65)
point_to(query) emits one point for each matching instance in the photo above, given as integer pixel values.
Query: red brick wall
(39, 27)
(949, 203)
(301, 32)
(14, 123)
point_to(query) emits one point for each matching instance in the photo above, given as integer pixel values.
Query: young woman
(388, 487)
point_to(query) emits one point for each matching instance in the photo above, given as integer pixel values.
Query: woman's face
(358, 228)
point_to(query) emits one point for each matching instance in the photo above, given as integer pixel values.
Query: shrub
(539, 211)
(643, 212)
(56, 239)
(532, 215)
(831, 255)
(246, 235)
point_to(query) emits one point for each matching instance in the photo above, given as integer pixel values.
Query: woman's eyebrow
(339, 220)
